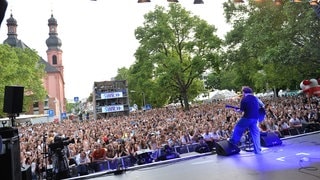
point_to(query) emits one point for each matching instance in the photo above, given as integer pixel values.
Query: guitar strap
(261, 105)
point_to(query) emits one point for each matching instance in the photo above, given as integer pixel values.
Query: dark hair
(247, 89)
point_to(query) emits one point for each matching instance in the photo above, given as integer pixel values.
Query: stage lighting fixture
(198, 2)
(143, 1)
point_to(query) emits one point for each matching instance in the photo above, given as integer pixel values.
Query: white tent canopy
(217, 95)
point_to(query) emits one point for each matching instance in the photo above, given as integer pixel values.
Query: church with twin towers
(53, 81)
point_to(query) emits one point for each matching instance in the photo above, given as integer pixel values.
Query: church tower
(55, 78)
(54, 52)
(12, 39)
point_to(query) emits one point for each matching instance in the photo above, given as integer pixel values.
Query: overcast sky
(97, 36)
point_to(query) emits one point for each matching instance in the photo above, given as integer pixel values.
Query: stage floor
(298, 158)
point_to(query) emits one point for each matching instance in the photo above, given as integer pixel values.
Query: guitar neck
(232, 107)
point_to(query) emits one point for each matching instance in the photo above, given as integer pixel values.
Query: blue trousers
(242, 125)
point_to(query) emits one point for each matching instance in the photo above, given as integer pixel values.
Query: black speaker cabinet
(10, 167)
(144, 158)
(13, 99)
(26, 173)
(270, 139)
(225, 148)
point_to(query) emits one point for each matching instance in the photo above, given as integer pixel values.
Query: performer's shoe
(258, 152)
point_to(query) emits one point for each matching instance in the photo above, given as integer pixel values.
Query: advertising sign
(111, 95)
(114, 108)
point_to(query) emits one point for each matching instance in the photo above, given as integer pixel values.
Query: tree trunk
(185, 100)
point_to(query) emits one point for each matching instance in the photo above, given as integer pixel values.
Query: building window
(46, 104)
(11, 29)
(54, 59)
(35, 104)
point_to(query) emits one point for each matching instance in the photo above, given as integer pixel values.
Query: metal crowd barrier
(186, 148)
(125, 162)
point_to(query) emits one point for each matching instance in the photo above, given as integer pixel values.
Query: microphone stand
(12, 118)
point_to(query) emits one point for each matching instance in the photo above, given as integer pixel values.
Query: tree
(272, 46)
(175, 49)
(21, 67)
(122, 74)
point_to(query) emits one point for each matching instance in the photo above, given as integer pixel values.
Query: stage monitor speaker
(270, 139)
(13, 99)
(10, 166)
(144, 158)
(225, 148)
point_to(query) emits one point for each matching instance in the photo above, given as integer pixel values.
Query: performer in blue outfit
(249, 105)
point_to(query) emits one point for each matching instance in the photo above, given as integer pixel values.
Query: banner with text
(114, 108)
(111, 95)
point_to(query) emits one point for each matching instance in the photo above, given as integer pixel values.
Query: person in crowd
(158, 122)
(195, 134)
(152, 143)
(132, 148)
(227, 131)
(216, 134)
(122, 150)
(82, 160)
(284, 127)
(143, 145)
(185, 137)
(175, 139)
(208, 136)
(295, 123)
(249, 106)
(111, 153)
(271, 126)
(99, 153)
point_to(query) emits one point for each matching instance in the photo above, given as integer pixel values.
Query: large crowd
(111, 138)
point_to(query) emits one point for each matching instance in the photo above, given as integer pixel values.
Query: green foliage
(175, 49)
(21, 67)
(272, 46)
(70, 107)
(122, 74)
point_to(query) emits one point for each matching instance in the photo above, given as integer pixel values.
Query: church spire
(12, 39)
(54, 52)
(53, 42)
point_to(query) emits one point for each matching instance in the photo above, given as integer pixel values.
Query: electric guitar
(262, 111)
